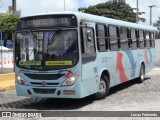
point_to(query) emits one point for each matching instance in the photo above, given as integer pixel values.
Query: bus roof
(110, 21)
(102, 20)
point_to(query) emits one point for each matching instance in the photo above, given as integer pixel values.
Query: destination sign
(47, 21)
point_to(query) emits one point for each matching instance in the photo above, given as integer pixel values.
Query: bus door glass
(89, 63)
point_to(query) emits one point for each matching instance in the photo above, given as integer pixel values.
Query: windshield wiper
(34, 38)
(54, 36)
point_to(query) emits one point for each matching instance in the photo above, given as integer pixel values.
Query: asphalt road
(130, 96)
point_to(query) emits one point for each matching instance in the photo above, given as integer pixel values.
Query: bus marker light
(69, 92)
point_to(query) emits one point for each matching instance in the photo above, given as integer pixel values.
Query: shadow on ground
(60, 104)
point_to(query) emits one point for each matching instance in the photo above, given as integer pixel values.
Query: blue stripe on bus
(132, 62)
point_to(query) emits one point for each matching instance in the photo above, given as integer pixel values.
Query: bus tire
(104, 88)
(141, 74)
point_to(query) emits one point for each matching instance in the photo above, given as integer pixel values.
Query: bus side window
(123, 38)
(88, 45)
(107, 37)
(114, 37)
(147, 39)
(101, 42)
(129, 37)
(134, 40)
(152, 40)
(141, 39)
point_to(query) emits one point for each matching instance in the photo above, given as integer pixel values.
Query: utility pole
(13, 37)
(14, 6)
(137, 13)
(64, 5)
(151, 6)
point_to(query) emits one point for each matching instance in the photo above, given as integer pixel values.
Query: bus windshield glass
(47, 49)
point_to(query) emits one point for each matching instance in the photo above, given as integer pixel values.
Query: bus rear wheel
(103, 88)
(142, 74)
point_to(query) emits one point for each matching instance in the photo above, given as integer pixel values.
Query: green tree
(7, 24)
(157, 24)
(116, 9)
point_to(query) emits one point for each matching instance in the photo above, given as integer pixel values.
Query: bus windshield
(47, 50)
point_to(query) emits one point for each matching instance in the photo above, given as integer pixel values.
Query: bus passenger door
(89, 62)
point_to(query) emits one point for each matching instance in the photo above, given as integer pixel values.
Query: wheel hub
(102, 87)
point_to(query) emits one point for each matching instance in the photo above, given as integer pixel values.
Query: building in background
(10, 11)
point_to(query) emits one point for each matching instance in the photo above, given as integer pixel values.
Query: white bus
(74, 55)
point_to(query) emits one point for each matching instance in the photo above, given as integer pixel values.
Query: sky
(31, 7)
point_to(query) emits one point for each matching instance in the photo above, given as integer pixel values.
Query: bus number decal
(104, 59)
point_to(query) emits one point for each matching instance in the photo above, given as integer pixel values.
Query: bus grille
(37, 83)
(44, 91)
(44, 76)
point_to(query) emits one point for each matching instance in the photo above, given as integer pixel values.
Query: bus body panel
(89, 77)
(125, 68)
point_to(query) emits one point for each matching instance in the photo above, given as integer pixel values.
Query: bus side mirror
(89, 36)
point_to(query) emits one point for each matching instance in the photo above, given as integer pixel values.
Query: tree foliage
(7, 24)
(157, 24)
(116, 9)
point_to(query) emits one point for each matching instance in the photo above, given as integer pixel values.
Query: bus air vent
(44, 91)
(44, 76)
(37, 83)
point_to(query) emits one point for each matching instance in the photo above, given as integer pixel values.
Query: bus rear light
(69, 92)
(21, 80)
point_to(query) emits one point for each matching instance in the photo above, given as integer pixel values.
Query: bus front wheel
(103, 88)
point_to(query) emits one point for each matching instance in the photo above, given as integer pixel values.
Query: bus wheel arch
(104, 85)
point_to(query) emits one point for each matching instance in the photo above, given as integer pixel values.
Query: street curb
(7, 88)
(7, 76)
(7, 81)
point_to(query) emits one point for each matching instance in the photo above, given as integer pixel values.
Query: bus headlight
(21, 80)
(71, 80)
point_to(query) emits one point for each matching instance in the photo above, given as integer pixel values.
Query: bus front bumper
(74, 91)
